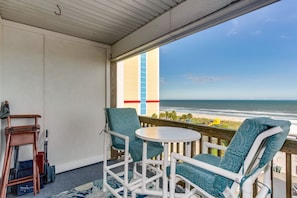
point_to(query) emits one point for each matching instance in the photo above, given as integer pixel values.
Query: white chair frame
(246, 185)
(137, 180)
(107, 169)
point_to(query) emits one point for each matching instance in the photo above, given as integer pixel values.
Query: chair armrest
(236, 177)
(207, 145)
(125, 137)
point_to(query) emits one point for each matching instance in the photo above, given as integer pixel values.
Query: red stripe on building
(131, 101)
(153, 101)
(138, 101)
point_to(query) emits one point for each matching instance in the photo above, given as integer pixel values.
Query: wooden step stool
(19, 136)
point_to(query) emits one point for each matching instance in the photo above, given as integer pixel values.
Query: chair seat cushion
(198, 176)
(136, 147)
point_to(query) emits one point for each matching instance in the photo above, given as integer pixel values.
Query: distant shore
(227, 118)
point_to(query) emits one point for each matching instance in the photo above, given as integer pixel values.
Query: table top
(167, 134)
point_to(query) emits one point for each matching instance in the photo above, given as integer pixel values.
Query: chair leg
(126, 170)
(104, 163)
(36, 165)
(172, 184)
(36, 177)
(158, 169)
(134, 170)
(5, 174)
(247, 188)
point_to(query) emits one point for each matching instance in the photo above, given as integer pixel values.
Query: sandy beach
(292, 133)
(229, 118)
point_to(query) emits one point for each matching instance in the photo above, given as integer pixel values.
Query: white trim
(120, 84)
(158, 78)
(78, 164)
(107, 77)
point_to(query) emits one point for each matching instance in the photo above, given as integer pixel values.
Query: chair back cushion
(124, 121)
(275, 142)
(242, 142)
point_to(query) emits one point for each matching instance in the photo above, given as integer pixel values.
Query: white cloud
(256, 32)
(163, 81)
(285, 37)
(234, 28)
(202, 79)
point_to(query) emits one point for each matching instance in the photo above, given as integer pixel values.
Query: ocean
(276, 109)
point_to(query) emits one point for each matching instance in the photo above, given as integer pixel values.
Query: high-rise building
(138, 83)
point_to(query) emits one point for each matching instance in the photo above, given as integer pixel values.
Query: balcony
(218, 135)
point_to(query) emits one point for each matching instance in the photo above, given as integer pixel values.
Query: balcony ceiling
(126, 25)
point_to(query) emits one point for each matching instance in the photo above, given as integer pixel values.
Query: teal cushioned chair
(250, 151)
(121, 126)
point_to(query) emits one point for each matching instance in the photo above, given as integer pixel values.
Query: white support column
(120, 85)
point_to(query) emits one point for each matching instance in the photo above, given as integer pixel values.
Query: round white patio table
(165, 135)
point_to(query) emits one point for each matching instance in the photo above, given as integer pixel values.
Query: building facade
(138, 85)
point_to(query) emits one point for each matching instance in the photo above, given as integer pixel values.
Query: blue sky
(250, 57)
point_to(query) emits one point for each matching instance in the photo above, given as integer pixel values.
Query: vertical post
(288, 175)
(193, 148)
(255, 188)
(209, 140)
(271, 177)
(113, 84)
(220, 153)
(201, 144)
(113, 153)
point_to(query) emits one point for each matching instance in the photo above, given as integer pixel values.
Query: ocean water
(276, 109)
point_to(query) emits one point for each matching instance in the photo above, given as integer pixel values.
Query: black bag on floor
(24, 168)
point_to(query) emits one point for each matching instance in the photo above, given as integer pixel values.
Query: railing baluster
(220, 153)
(289, 175)
(209, 140)
(193, 148)
(200, 144)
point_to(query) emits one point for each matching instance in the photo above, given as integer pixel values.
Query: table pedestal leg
(144, 160)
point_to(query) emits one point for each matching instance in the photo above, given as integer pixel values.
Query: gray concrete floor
(67, 180)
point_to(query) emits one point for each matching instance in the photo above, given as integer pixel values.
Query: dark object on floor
(24, 168)
(49, 174)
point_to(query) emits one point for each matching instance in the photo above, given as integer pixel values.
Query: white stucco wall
(63, 79)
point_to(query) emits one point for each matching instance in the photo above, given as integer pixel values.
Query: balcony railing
(218, 135)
